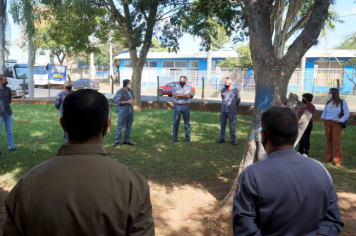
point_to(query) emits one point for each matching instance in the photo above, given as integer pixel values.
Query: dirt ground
(189, 210)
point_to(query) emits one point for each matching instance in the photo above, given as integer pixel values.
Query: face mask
(304, 101)
(182, 83)
(227, 86)
(330, 96)
(5, 83)
(69, 88)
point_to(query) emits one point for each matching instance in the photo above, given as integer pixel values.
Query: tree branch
(299, 24)
(293, 9)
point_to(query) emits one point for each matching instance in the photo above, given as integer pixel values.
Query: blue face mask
(330, 96)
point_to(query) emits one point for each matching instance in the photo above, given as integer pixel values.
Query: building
(318, 71)
(170, 66)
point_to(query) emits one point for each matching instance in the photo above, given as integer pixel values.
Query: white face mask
(330, 96)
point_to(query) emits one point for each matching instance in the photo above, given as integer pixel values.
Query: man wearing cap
(125, 99)
(182, 94)
(58, 103)
(230, 100)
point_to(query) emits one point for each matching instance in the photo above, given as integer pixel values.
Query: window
(170, 85)
(329, 72)
(150, 64)
(9, 72)
(168, 64)
(193, 64)
(175, 64)
(40, 70)
(127, 64)
(180, 64)
(174, 68)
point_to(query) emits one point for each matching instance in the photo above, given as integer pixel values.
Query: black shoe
(174, 140)
(221, 140)
(188, 140)
(13, 149)
(234, 143)
(128, 143)
(116, 144)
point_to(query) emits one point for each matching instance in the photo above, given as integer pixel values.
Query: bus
(54, 74)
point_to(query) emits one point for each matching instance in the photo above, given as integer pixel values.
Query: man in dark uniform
(81, 191)
(124, 100)
(287, 193)
(58, 103)
(6, 116)
(230, 100)
(182, 94)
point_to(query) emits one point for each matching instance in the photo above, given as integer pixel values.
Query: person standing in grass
(332, 125)
(181, 94)
(287, 193)
(230, 100)
(81, 191)
(125, 99)
(304, 143)
(58, 103)
(6, 115)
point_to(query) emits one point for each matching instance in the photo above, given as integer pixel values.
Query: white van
(14, 73)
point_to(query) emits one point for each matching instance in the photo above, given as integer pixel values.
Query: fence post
(242, 80)
(157, 88)
(112, 84)
(202, 93)
(23, 87)
(338, 84)
(217, 86)
(70, 81)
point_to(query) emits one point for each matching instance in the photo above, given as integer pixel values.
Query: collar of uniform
(282, 152)
(72, 149)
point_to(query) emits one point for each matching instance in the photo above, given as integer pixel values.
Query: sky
(187, 43)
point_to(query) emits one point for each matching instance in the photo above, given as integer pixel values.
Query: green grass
(38, 136)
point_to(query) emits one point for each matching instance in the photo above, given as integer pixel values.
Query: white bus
(55, 74)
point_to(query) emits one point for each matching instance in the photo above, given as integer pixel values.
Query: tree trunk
(31, 64)
(2, 37)
(137, 67)
(209, 65)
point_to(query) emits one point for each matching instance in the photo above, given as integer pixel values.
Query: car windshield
(58, 69)
(21, 71)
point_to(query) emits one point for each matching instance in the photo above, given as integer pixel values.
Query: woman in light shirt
(332, 125)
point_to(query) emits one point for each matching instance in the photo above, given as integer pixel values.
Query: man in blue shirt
(287, 193)
(182, 94)
(6, 112)
(124, 101)
(230, 100)
(58, 103)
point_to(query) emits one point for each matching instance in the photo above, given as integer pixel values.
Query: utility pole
(92, 66)
(111, 69)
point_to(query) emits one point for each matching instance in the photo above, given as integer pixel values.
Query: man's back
(80, 192)
(286, 194)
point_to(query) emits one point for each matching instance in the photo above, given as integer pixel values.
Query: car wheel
(160, 93)
(170, 95)
(85, 87)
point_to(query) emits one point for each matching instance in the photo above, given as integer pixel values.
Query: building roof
(173, 55)
(331, 53)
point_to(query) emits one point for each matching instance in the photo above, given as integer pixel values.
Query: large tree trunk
(137, 66)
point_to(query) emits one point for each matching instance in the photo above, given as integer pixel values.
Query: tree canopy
(348, 43)
(242, 61)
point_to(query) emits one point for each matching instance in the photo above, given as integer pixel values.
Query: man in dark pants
(230, 100)
(6, 112)
(58, 103)
(304, 143)
(286, 194)
(182, 94)
(124, 101)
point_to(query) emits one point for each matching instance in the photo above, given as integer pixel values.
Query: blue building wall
(345, 88)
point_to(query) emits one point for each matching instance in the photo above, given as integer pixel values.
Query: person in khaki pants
(332, 125)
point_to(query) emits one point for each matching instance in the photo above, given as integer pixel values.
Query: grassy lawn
(202, 164)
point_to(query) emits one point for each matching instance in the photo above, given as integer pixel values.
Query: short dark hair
(183, 76)
(85, 113)
(2, 77)
(308, 96)
(280, 125)
(125, 82)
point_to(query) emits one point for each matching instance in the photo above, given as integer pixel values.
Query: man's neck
(126, 88)
(92, 141)
(2, 86)
(273, 149)
(67, 91)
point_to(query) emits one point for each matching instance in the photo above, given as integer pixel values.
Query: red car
(167, 89)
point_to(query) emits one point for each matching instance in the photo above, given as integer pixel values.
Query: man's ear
(62, 124)
(108, 122)
(263, 136)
